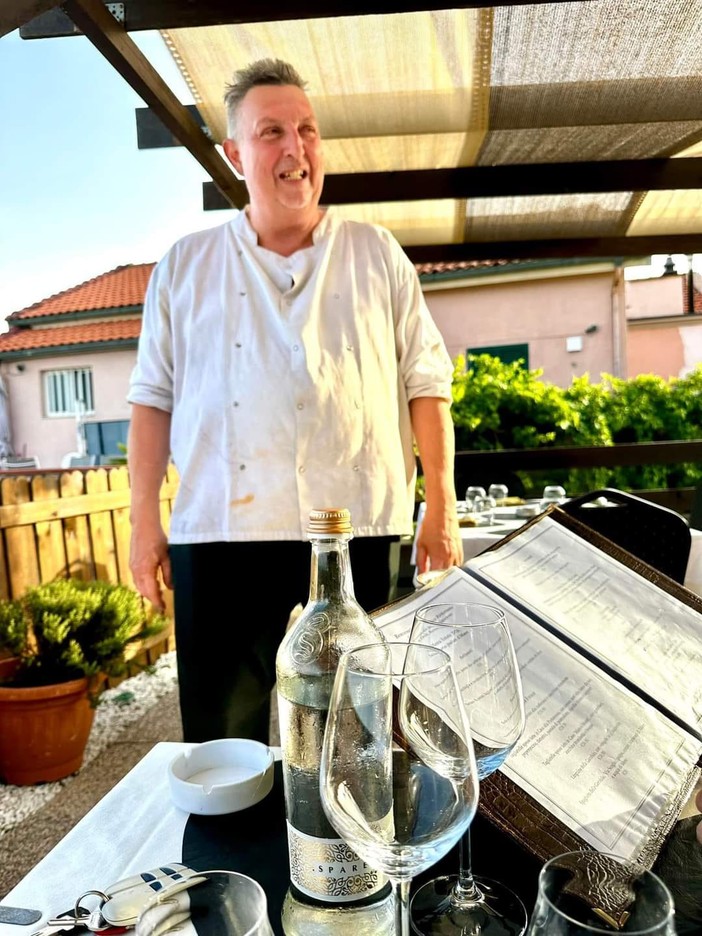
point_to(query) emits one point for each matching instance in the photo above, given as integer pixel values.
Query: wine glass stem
(466, 890)
(402, 914)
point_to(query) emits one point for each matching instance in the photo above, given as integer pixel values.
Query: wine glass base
(499, 913)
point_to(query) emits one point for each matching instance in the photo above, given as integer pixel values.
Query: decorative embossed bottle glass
(332, 890)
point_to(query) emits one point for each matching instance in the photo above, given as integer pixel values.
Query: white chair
(13, 462)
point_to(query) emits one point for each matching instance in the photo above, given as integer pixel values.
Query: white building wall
(650, 298)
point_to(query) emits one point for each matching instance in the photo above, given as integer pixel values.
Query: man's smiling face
(278, 150)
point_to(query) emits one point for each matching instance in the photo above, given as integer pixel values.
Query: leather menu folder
(610, 655)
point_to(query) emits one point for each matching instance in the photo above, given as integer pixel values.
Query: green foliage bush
(67, 629)
(505, 406)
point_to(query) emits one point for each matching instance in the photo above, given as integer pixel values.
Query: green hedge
(503, 406)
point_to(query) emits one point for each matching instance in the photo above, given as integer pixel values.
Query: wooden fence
(72, 523)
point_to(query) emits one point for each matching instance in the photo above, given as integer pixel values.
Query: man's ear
(231, 151)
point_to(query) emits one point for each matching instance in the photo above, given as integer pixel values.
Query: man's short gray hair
(262, 72)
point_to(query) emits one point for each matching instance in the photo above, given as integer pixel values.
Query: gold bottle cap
(330, 520)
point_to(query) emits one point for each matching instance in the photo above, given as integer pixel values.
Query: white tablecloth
(477, 539)
(693, 575)
(133, 828)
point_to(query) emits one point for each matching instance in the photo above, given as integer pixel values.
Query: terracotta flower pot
(43, 731)
(8, 665)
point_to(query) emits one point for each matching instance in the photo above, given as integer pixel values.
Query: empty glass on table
(553, 494)
(500, 492)
(215, 903)
(484, 510)
(473, 491)
(648, 908)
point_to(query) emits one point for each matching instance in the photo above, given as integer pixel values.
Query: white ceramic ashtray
(222, 776)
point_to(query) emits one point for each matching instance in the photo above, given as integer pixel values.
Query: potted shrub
(65, 637)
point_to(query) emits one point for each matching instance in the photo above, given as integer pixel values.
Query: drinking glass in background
(215, 903)
(500, 492)
(398, 776)
(553, 494)
(473, 491)
(484, 510)
(558, 909)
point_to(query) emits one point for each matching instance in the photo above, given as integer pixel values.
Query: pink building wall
(50, 437)
(662, 339)
(543, 313)
(669, 349)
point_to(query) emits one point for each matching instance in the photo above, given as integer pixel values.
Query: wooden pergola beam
(174, 14)
(111, 40)
(624, 175)
(556, 247)
(15, 13)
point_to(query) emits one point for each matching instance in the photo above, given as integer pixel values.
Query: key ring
(95, 922)
(79, 911)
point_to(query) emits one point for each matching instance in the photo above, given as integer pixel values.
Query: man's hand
(150, 564)
(439, 544)
(147, 456)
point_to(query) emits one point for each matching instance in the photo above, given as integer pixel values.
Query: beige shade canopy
(523, 129)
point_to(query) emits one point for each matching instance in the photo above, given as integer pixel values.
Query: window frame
(60, 386)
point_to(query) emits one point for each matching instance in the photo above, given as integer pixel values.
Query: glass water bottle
(332, 890)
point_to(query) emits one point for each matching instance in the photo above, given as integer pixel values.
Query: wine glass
(398, 778)
(500, 492)
(473, 491)
(647, 909)
(484, 509)
(477, 639)
(214, 903)
(553, 494)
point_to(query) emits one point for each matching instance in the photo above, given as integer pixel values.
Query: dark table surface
(254, 842)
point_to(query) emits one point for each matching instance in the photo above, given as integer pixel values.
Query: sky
(77, 197)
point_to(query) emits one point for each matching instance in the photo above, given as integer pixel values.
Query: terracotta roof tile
(30, 339)
(126, 286)
(428, 269)
(123, 286)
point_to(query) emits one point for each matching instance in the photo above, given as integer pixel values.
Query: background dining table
(476, 539)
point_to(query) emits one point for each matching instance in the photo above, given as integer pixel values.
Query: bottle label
(327, 869)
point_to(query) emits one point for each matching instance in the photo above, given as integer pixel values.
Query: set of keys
(120, 904)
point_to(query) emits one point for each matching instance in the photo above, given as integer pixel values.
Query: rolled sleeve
(151, 381)
(424, 362)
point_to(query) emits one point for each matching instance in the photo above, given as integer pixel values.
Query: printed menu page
(602, 761)
(640, 630)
